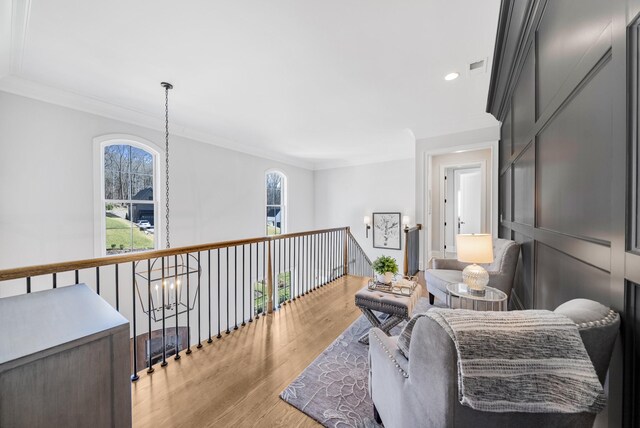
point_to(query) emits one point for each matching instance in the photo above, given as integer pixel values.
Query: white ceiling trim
(344, 163)
(30, 89)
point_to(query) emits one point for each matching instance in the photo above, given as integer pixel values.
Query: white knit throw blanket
(521, 361)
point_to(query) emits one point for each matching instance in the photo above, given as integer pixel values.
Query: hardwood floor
(235, 381)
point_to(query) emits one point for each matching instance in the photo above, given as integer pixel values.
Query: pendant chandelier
(168, 286)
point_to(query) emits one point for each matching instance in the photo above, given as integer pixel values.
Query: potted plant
(385, 268)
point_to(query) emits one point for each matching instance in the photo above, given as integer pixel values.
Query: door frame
(427, 159)
(483, 197)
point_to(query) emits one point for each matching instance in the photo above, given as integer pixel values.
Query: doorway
(469, 189)
(462, 201)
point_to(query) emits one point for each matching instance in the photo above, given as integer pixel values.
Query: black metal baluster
(175, 301)
(283, 272)
(294, 278)
(340, 259)
(227, 276)
(77, 277)
(313, 262)
(188, 304)
(243, 287)
(290, 272)
(164, 336)
(98, 280)
(28, 284)
(55, 279)
(281, 243)
(311, 273)
(349, 261)
(209, 340)
(264, 277)
(256, 304)
(150, 366)
(199, 306)
(309, 270)
(219, 321)
(333, 256)
(117, 273)
(323, 270)
(251, 292)
(134, 376)
(319, 260)
(310, 263)
(235, 285)
(304, 265)
(325, 257)
(275, 272)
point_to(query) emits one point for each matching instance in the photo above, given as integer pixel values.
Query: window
(128, 198)
(276, 197)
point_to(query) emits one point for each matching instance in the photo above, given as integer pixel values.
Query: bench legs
(385, 326)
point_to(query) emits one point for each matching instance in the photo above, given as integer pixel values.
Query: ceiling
(315, 83)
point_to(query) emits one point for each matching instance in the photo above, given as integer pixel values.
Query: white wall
(47, 187)
(343, 196)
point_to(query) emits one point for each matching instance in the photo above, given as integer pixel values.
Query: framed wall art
(386, 231)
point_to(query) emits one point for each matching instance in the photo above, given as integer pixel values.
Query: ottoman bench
(398, 308)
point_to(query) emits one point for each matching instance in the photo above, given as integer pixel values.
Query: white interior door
(462, 203)
(468, 203)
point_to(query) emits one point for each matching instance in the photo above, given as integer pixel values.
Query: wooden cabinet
(64, 361)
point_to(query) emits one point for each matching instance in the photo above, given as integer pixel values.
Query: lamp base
(476, 278)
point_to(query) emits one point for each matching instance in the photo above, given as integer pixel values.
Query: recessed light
(451, 76)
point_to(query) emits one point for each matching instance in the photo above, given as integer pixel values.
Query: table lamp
(475, 248)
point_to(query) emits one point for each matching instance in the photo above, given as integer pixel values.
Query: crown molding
(49, 94)
(360, 161)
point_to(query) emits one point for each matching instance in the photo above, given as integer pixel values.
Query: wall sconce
(405, 221)
(367, 224)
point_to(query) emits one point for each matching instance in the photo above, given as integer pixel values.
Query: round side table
(492, 299)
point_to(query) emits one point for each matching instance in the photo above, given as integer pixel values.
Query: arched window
(275, 183)
(129, 204)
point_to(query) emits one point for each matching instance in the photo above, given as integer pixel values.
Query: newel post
(346, 251)
(406, 251)
(269, 279)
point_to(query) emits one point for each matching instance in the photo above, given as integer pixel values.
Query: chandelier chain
(166, 135)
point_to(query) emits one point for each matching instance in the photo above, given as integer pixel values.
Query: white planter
(386, 278)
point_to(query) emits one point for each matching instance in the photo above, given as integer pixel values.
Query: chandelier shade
(171, 283)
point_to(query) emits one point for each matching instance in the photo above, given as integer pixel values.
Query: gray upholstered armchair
(422, 391)
(501, 271)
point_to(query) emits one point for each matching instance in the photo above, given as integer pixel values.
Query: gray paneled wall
(566, 86)
(556, 163)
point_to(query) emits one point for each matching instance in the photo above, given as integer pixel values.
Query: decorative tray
(403, 286)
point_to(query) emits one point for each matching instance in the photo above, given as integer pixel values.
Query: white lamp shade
(405, 220)
(475, 248)
(367, 220)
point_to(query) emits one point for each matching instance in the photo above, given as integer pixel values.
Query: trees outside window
(128, 199)
(276, 195)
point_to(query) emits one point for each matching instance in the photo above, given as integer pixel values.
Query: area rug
(334, 389)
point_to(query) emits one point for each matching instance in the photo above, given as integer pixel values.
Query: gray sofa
(501, 271)
(422, 391)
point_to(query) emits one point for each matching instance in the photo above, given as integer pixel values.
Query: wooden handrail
(45, 269)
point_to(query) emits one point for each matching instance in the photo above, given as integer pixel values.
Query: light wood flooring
(235, 381)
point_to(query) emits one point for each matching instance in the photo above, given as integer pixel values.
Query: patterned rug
(334, 389)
